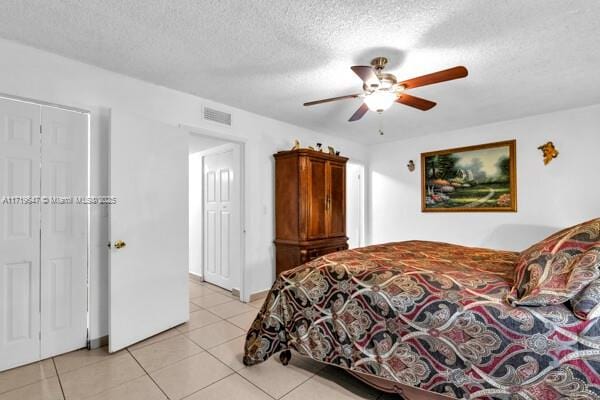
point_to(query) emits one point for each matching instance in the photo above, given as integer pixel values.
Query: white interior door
(64, 244)
(148, 278)
(222, 245)
(355, 205)
(20, 234)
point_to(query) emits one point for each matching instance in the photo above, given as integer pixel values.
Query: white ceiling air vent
(220, 117)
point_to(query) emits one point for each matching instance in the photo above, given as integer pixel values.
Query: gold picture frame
(481, 178)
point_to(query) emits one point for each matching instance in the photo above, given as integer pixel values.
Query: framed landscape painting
(467, 179)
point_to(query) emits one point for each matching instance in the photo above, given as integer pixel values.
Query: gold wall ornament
(296, 144)
(411, 165)
(549, 152)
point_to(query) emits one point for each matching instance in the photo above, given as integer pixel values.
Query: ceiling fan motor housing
(379, 63)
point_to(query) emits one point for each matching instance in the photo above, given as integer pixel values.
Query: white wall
(549, 197)
(32, 73)
(200, 143)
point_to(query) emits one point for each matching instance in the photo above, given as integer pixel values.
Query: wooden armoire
(310, 206)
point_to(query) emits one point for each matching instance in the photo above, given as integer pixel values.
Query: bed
(430, 320)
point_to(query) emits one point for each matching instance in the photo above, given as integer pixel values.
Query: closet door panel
(19, 233)
(64, 231)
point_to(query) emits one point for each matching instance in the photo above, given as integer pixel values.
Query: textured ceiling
(268, 57)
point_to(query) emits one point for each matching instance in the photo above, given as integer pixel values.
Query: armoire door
(64, 230)
(336, 203)
(19, 234)
(316, 198)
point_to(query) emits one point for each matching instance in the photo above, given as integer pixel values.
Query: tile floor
(201, 359)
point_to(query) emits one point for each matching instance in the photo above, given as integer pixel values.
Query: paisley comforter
(429, 315)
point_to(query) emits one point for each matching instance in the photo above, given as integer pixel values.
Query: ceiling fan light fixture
(380, 101)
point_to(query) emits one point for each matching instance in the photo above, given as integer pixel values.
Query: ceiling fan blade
(312, 103)
(436, 77)
(415, 102)
(358, 114)
(367, 75)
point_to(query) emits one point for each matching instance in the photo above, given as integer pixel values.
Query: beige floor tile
(198, 319)
(197, 290)
(217, 289)
(100, 377)
(244, 320)
(230, 309)
(138, 389)
(26, 375)
(194, 307)
(165, 352)
(276, 379)
(81, 358)
(47, 389)
(211, 300)
(230, 353)
(197, 279)
(190, 375)
(215, 334)
(257, 303)
(155, 339)
(332, 383)
(233, 387)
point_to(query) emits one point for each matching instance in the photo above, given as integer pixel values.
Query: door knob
(120, 244)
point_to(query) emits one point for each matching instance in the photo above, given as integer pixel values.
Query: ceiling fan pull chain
(380, 123)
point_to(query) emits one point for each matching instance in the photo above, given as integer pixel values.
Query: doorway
(355, 204)
(216, 211)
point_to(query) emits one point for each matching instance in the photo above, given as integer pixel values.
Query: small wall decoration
(549, 152)
(411, 165)
(474, 178)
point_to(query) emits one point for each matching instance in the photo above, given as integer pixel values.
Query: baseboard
(98, 342)
(197, 278)
(234, 291)
(259, 295)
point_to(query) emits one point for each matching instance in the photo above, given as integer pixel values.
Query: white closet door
(222, 244)
(64, 231)
(19, 234)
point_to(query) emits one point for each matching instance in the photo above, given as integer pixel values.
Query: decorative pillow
(586, 304)
(559, 267)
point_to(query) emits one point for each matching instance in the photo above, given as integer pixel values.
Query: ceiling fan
(381, 89)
